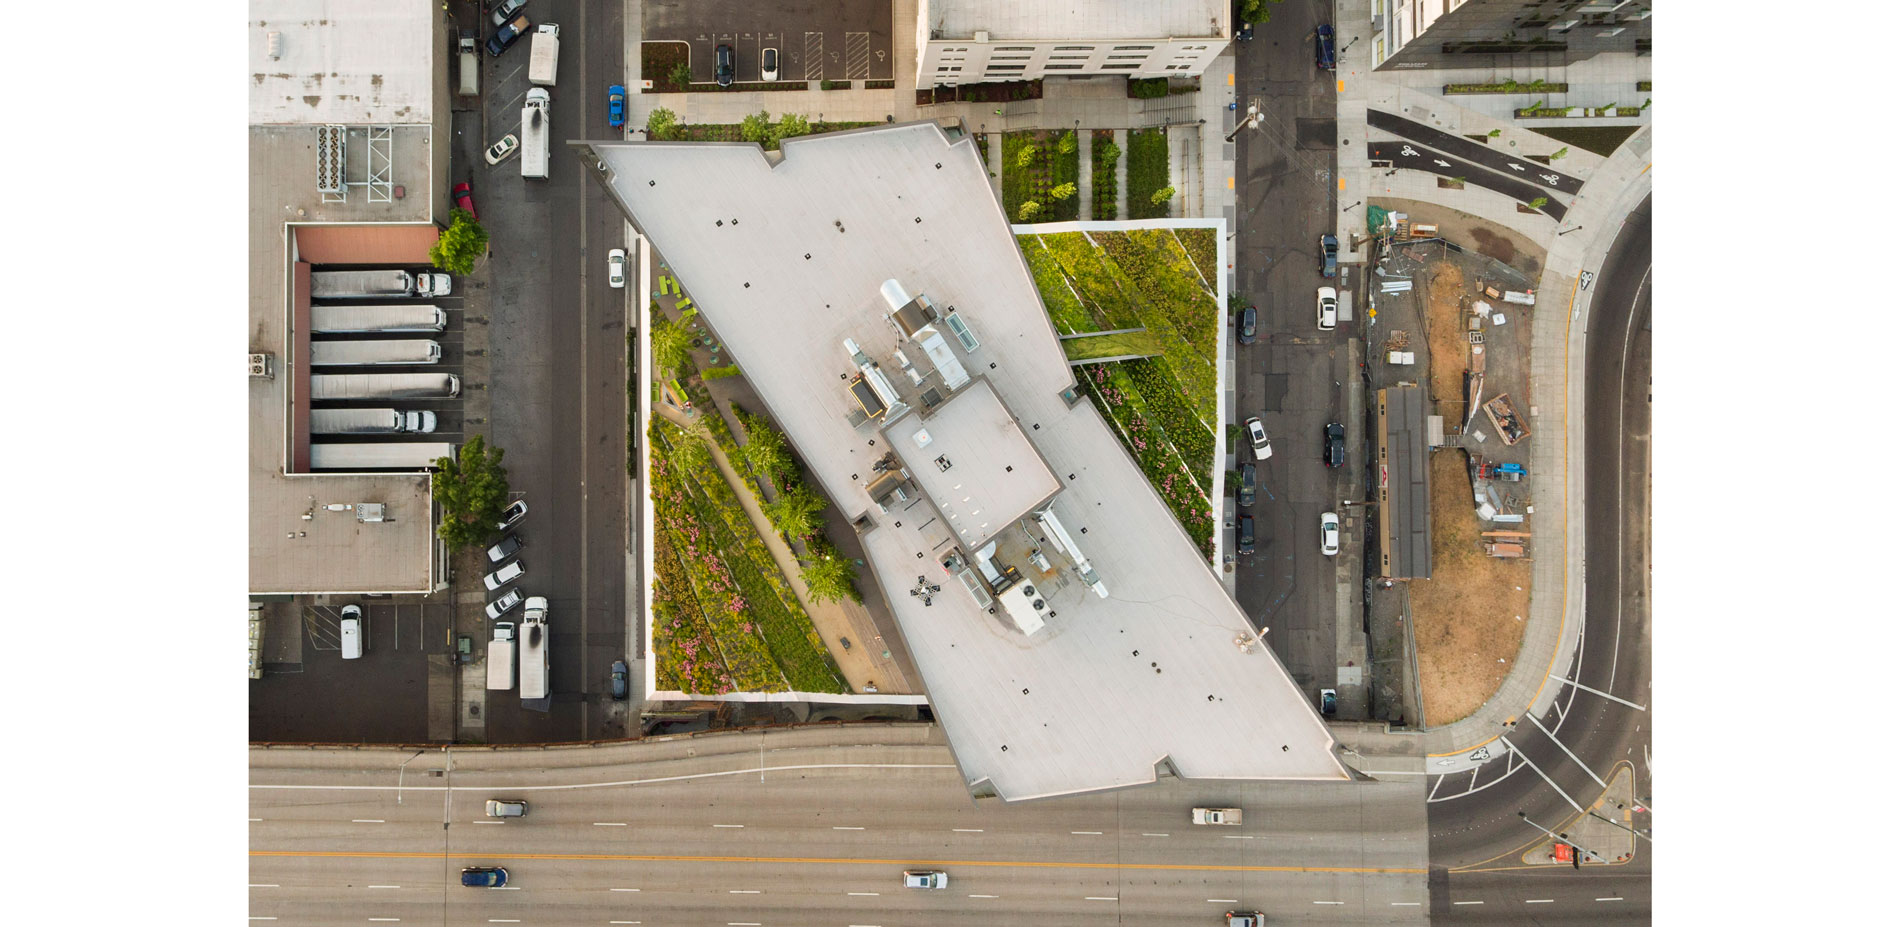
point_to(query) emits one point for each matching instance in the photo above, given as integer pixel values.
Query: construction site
(1447, 318)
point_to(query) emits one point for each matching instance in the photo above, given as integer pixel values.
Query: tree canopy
(459, 245)
(472, 489)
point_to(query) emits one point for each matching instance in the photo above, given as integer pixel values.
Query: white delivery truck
(348, 386)
(535, 114)
(501, 657)
(371, 353)
(414, 317)
(418, 456)
(544, 55)
(469, 64)
(534, 649)
(370, 422)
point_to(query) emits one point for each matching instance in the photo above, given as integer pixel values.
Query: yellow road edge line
(652, 858)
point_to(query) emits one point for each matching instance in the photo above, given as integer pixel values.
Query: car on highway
(512, 514)
(505, 548)
(1329, 534)
(1328, 256)
(1328, 702)
(465, 198)
(1257, 433)
(499, 151)
(722, 65)
(1323, 48)
(1246, 919)
(501, 11)
(768, 64)
(1328, 308)
(508, 34)
(926, 878)
(484, 877)
(619, 679)
(616, 106)
(1335, 451)
(1247, 484)
(1244, 536)
(617, 268)
(504, 605)
(507, 574)
(507, 808)
(1249, 325)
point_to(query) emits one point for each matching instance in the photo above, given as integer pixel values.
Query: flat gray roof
(332, 551)
(993, 476)
(1085, 19)
(785, 260)
(1407, 512)
(352, 62)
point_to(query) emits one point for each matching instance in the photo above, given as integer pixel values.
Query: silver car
(507, 574)
(504, 605)
(926, 878)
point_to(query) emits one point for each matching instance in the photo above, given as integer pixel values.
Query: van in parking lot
(351, 631)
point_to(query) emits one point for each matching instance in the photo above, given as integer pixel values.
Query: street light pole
(399, 772)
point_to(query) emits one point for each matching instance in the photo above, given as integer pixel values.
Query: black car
(1328, 256)
(620, 680)
(1249, 326)
(1323, 48)
(1335, 444)
(508, 34)
(484, 877)
(1245, 32)
(722, 65)
(1246, 534)
(1247, 484)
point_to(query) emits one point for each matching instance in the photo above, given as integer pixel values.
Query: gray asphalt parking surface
(840, 40)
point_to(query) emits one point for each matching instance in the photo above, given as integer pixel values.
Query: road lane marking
(986, 896)
(382, 886)
(1100, 898)
(836, 827)
(742, 891)
(255, 820)
(623, 922)
(623, 889)
(366, 820)
(1329, 902)
(389, 920)
(1539, 900)
(504, 888)
(742, 924)
(1467, 902)
(870, 894)
(488, 822)
(1406, 904)
(966, 830)
(1223, 901)
(263, 885)
(728, 825)
(1154, 835)
(1237, 836)
(1086, 833)
(610, 824)
(263, 918)
(747, 771)
(838, 861)
(503, 920)
(1616, 898)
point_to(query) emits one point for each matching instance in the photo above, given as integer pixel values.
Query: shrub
(1161, 196)
(1147, 88)
(663, 124)
(719, 373)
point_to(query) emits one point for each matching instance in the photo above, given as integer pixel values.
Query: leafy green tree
(672, 346)
(472, 488)
(691, 454)
(756, 128)
(1162, 195)
(681, 75)
(1559, 153)
(831, 577)
(662, 125)
(1066, 144)
(1026, 157)
(1062, 191)
(1254, 11)
(1108, 152)
(790, 125)
(796, 511)
(765, 452)
(1028, 210)
(459, 245)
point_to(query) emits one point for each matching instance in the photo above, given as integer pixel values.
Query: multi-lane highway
(810, 826)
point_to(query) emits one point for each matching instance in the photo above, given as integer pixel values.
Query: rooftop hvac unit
(260, 366)
(275, 43)
(331, 149)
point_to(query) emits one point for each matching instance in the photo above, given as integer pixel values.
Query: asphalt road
(558, 359)
(1474, 818)
(1458, 146)
(1296, 375)
(1412, 156)
(645, 833)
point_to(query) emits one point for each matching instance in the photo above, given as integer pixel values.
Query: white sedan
(499, 151)
(1257, 433)
(502, 577)
(1328, 308)
(1329, 534)
(617, 268)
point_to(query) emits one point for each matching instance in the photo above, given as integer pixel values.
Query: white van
(354, 638)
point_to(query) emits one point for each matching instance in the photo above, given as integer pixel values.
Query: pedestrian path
(1085, 171)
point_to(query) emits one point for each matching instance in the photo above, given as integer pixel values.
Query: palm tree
(795, 511)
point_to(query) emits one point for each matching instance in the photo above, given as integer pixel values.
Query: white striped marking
(623, 889)
(366, 820)
(623, 922)
(610, 824)
(263, 918)
(1086, 833)
(1154, 835)
(966, 830)
(391, 920)
(504, 888)
(382, 886)
(742, 891)
(1539, 900)
(255, 820)
(1405, 904)
(1616, 898)
(504, 920)
(728, 825)
(1467, 902)
(836, 827)
(867, 894)
(1223, 900)
(488, 822)
(1237, 836)
(742, 924)
(263, 885)
(1100, 898)
(985, 896)
(1329, 902)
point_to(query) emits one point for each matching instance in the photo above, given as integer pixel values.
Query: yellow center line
(820, 860)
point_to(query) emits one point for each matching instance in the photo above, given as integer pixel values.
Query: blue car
(484, 877)
(508, 34)
(616, 106)
(1323, 48)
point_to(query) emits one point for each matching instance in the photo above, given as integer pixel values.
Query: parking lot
(310, 693)
(845, 40)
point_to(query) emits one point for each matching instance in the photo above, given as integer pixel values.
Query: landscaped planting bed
(722, 589)
(1104, 154)
(1200, 245)
(1147, 172)
(1049, 168)
(1114, 393)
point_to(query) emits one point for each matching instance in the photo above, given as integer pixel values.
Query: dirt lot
(1466, 619)
(1450, 353)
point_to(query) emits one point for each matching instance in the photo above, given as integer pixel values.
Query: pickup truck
(1229, 816)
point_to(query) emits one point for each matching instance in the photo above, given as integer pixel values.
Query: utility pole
(1564, 838)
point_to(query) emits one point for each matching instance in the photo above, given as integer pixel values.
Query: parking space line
(814, 56)
(857, 55)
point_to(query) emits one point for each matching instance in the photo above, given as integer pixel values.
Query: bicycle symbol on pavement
(1549, 178)
(1408, 151)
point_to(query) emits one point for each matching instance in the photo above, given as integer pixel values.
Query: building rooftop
(786, 258)
(978, 466)
(1405, 468)
(350, 62)
(1083, 20)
